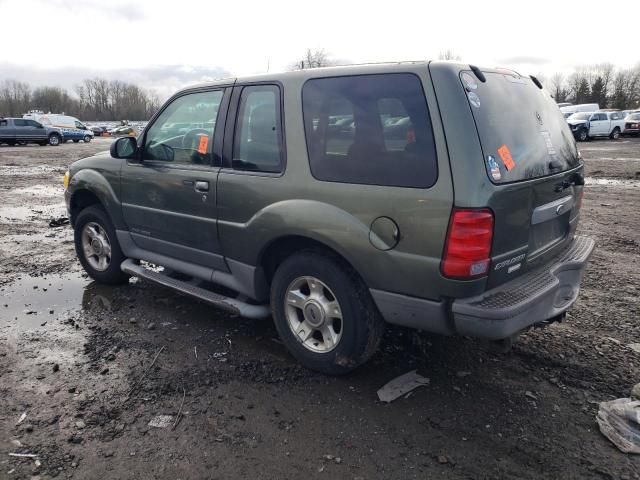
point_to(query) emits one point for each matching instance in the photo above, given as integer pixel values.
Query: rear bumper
(539, 295)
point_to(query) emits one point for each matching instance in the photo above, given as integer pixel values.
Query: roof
(314, 72)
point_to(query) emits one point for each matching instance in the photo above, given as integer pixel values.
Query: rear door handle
(202, 186)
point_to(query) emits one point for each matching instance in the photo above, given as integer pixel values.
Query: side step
(229, 304)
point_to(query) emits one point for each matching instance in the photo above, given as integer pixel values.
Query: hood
(89, 162)
(577, 122)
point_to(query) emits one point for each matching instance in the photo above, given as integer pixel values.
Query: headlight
(65, 180)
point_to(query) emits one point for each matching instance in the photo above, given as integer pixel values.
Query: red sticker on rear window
(505, 156)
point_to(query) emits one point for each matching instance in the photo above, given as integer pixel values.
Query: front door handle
(202, 186)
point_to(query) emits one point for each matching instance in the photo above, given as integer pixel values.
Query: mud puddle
(31, 302)
(39, 191)
(28, 171)
(22, 213)
(615, 182)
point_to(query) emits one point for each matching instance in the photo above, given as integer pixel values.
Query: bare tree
(313, 59)
(449, 54)
(15, 97)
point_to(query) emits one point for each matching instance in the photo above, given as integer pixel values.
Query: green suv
(437, 196)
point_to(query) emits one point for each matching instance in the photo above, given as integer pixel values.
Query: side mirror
(125, 147)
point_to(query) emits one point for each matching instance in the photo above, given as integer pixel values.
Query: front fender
(100, 184)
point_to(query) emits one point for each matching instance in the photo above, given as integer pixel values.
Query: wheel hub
(96, 246)
(314, 313)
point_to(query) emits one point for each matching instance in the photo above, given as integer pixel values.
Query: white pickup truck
(586, 125)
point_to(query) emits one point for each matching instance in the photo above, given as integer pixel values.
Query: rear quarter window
(369, 129)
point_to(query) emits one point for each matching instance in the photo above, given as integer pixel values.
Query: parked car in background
(596, 124)
(71, 128)
(21, 130)
(97, 131)
(122, 131)
(331, 231)
(583, 107)
(632, 124)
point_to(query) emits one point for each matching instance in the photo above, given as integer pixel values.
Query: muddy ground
(75, 358)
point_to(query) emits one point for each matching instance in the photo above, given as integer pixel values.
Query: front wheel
(54, 139)
(87, 138)
(97, 246)
(583, 135)
(615, 135)
(324, 314)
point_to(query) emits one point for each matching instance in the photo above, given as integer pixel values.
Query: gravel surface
(94, 368)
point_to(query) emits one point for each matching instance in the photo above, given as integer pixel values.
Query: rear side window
(369, 129)
(3, 123)
(258, 144)
(19, 122)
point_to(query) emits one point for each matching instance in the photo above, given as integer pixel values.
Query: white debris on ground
(161, 421)
(619, 421)
(401, 385)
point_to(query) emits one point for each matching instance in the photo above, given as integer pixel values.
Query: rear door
(169, 196)
(20, 129)
(533, 167)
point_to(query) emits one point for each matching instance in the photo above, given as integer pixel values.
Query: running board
(226, 303)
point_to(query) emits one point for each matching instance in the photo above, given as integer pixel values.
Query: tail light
(467, 253)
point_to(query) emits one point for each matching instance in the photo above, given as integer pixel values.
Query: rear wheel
(615, 135)
(324, 314)
(76, 141)
(97, 246)
(54, 139)
(11, 143)
(583, 135)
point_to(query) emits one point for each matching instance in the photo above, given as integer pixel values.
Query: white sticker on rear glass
(469, 82)
(474, 99)
(494, 168)
(547, 140)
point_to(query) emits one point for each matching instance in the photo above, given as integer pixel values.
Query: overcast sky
(166, 45)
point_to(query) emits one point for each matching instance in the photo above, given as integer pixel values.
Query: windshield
(580, 116)
(635, 116)
(522, 131)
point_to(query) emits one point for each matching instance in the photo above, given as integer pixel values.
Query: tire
(353, 318)
(76, 141)
(94, 220)
(11, 143)
(583, 135)
(615, 135)
(42, 144)
(87, 138)
(54, 139)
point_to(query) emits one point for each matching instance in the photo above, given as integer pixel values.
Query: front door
(598, 124)
(169, 194)
(34, 130)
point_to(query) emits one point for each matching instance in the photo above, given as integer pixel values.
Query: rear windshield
(523, 133)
